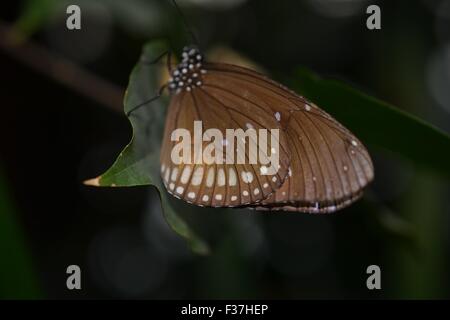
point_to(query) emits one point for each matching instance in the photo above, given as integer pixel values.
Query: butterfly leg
(169, 61)
(160, 92)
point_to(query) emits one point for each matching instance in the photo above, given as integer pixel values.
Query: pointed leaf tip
(95, 182)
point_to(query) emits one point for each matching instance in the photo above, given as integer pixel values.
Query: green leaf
(34, 14)
(17, 275)
(377, 123)
(138, 163)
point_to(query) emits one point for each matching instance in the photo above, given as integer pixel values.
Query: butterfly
(322, 166)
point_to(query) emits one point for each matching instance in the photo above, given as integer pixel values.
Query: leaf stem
(60, 69)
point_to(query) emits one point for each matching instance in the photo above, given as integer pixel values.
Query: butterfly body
(322, 166)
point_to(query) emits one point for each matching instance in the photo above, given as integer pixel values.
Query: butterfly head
(187, 75)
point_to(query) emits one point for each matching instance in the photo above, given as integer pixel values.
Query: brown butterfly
(322, 166)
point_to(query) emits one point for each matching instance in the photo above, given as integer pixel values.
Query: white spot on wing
(174, 175)
(277, 116)
(247, 176)
(180, 189)
(186, 174)
(232, 179)
(197, 176)
(210, 177)
(221, 177)
(191, 195)
(167, 175)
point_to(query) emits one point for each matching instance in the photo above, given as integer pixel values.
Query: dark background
(53, 137)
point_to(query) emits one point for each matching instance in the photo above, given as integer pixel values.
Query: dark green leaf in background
(377, 123)
(17, 275)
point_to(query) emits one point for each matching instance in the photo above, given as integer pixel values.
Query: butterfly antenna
(186, 24)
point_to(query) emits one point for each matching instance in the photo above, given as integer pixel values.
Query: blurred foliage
(138, 17)
(417, 252)
(17, 276)
(421, 271)
(34, 14)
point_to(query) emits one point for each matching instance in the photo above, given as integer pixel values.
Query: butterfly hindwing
(329, 166)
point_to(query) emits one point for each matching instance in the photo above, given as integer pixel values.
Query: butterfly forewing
(215, 184)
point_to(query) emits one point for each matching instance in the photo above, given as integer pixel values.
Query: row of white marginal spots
(171, 176)
(247, 176)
